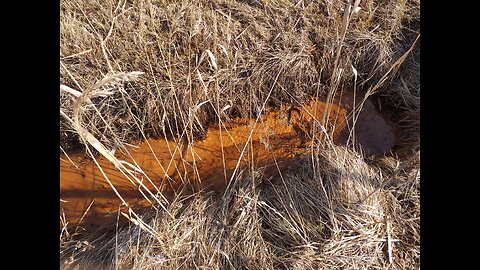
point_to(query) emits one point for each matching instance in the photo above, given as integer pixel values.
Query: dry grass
(131, 70)
(335, 214)
(201, 56)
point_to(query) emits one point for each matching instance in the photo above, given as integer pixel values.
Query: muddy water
(278, 137)
(374, 133)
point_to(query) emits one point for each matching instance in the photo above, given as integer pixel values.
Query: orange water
(277, 137)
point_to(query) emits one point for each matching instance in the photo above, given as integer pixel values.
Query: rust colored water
(278, 137)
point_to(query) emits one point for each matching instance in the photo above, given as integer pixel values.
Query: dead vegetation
(131, 70)
(204, 60)
(334, 211)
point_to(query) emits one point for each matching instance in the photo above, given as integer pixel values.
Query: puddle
(374, 132)
(279, 136)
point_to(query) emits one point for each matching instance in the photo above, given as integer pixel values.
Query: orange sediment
(278, 136)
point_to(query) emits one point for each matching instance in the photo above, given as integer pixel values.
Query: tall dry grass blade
(72, 91)
(389, 243)
(343, 30)
(69, 159)
(213, 61)
(393, 68)
(86, 211)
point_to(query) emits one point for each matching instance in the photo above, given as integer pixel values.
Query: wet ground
(374, 132)
(279, 136)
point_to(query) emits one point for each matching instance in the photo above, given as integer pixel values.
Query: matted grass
(334, 211)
